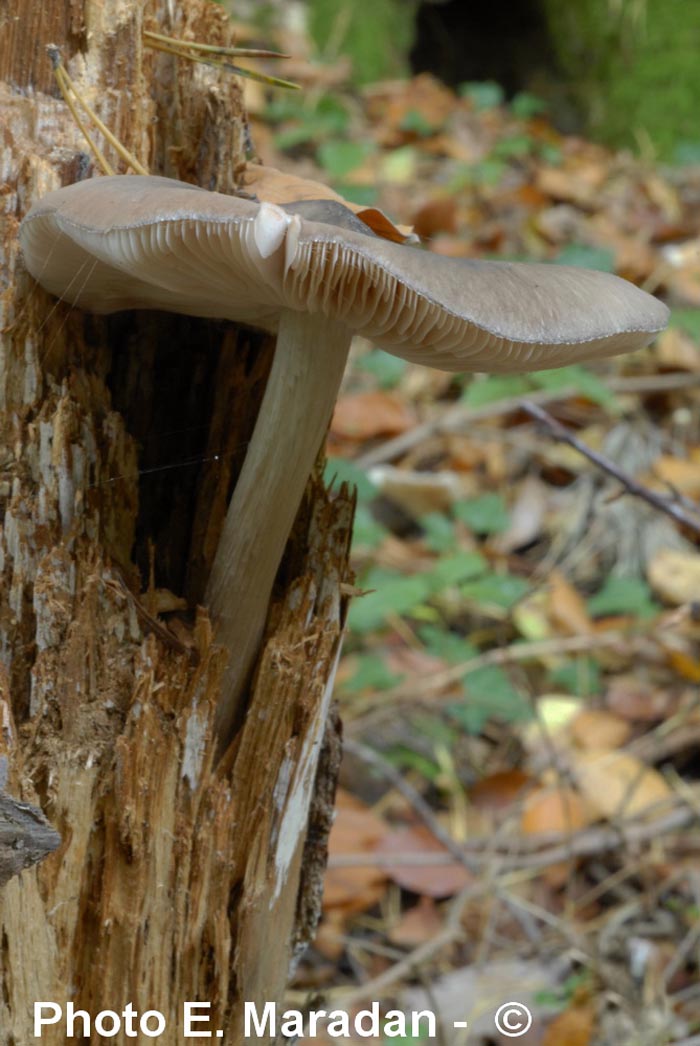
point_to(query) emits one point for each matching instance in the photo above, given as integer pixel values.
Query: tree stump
(177, 878)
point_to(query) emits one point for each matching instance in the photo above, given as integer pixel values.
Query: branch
(662, 502)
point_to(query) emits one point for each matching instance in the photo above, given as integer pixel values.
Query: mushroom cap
(139, 242)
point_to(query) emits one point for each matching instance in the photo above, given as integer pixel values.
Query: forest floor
(519, 811)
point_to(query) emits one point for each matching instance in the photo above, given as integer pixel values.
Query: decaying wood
(120, 439)
(26, 837)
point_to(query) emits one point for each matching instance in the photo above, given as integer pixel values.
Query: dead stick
(659, 501)
(460, 416)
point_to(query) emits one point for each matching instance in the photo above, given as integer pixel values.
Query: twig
(528, 853)
(661, 502)
(451, 932)
(461, 416)
(416, 800)
(417, 688)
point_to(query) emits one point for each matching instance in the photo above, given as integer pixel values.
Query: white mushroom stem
(307, 369)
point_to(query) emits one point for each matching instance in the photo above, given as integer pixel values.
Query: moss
(632, 67)
(376, 34)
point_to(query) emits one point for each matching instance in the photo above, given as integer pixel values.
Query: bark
(176, 878)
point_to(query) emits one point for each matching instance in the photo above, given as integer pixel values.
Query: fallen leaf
(675, 575)
(356, 830)
(527, 516)
(617, 784)
(438, 215)
(417, 925)
(364, 415)
(554, 809)
(595, 728)
(428, 880)
(567, 606)
(635, 699)
(272, 186)
(681, 474)
(418, 493)
(676, 350)
(499, 791)
(574, 1027)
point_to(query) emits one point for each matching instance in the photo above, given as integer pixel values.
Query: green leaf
(525, 105)
(447, 645)
(388, 370)
(363, 195)
(688, 320)
(485, 94)
(687, 154)
(514, 146)
(577, 377)
(396, 595)
(486, 173)
(372, 673)
(414, 122)
(439, 532)
(585, 257)
(623, 595)
(340, 470)
(496, 590)
(405, 758)
(339, 158)
(451, 570)
(496, 387)
(485, 514)
(579, 676)
(489, 694)
(367, 532)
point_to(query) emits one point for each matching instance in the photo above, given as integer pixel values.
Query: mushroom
(316, 275)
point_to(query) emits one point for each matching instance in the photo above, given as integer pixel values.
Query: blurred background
(517, 814)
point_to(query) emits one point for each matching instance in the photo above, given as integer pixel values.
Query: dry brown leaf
(594, 728)
(675, 576)
(417, 925)
(364, 415)
(567, 606)
(356, 830)
(428, 880)
(574, 1027)
(418, 492)
(499, 791)
(527, 516)
(579, 185)
(438, 215)
(676, 350)
(633, 698)
(617, 784)
(273, 186)
(682, 474)
(554, 809)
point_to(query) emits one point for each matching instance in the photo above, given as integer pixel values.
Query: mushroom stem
(294, 415)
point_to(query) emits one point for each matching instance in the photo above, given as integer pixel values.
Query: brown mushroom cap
(146, 242)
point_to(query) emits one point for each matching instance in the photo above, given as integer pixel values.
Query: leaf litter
(524, 665)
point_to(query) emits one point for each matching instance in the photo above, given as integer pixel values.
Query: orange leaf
(554, 809)
(417, 925)
(356, 830)
(429, 880)
(368, 414)
(574, 1027)
(500, 790)
(617, 784)
(272, 186)
(568, 608)
(596, 728)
